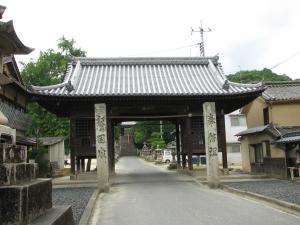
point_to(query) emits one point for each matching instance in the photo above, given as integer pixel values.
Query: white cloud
(250, 34)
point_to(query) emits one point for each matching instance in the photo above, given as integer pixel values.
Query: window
(234, 120)
(237, 120)
(266, 116)
(235, 148)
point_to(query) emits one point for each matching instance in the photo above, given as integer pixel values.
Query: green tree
(49, 69)
(144, 131)
(255, 76)
(156, 141)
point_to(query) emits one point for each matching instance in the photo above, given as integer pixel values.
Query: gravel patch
(279, 189)
(78, 198)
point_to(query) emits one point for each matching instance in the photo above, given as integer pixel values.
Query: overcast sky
(245, 34)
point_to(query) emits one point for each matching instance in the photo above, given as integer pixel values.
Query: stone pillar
(101, 147)
(211, 144)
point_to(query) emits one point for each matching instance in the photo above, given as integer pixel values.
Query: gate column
(211, 144)
(102, 147)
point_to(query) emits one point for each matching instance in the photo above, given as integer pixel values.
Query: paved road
(143, 194)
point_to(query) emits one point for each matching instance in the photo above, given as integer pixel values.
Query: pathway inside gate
(142, 194)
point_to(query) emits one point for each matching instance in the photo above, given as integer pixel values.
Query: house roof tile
(282, 91)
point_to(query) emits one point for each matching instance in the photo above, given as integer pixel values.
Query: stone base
(58, 215)
(84, 176)
(21, 204)
(16, 173)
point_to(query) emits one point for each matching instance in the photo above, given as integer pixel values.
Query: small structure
(56, 150)
(270, 142)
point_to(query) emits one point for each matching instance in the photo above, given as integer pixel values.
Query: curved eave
(206, 95)
(41, 91)
(9, 41)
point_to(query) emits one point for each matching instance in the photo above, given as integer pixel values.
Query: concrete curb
(291, 207)
(275, 203)
(84, 220)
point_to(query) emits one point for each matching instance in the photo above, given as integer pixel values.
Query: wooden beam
(150, 116)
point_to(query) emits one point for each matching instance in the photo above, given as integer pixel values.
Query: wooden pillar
(189, 141)
(88, 165)
(82, 164)
(1, 62)
(102, 146)
(178, 144)
(77, 164)
(111, 155)
(211, 144)
(183, 160)
(286, 161)
(72, 144)
(222, 139)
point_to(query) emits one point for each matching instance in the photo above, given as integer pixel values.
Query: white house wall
(231, 131)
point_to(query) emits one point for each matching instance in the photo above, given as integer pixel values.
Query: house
(271, 141)
(235, 122)
(56, 150)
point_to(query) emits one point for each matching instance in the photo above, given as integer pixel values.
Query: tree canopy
(255, 76)
(49, 69)
(149, 132)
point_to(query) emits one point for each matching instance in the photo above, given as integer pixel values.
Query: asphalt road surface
(143, 194)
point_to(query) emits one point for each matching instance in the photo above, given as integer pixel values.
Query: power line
(165, 50)
(287, 59)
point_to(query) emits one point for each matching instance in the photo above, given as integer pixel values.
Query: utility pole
(201, 44)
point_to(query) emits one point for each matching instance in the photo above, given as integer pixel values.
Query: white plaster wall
(57, 153)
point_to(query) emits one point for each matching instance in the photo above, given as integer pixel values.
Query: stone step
(58, 215)
(16, 173)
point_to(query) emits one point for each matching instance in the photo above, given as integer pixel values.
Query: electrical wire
(289, 58)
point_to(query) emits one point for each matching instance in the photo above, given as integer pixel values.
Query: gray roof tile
(282, 91)
(145, 77)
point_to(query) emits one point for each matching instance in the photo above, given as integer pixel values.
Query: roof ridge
(145, 60)
(281, 83)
